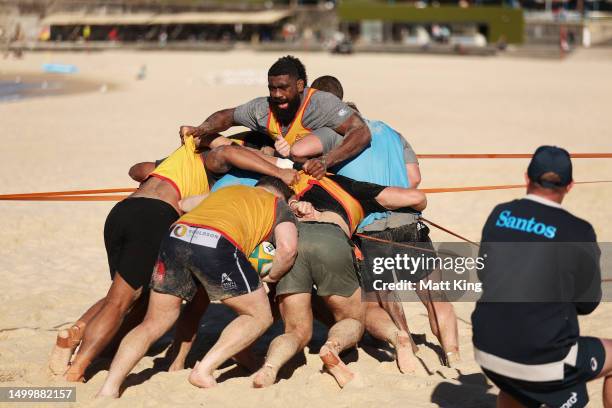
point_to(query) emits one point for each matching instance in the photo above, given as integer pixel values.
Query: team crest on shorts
(593, 364)
(180, 230)
(227, 282)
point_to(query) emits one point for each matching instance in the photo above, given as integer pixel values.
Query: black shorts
(570, 391)
(133, 232)
(189, 255)
(416, 235)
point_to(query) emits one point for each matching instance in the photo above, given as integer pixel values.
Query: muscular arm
(286, 250)
(215, 123)
(222, 159)
(356, 138)
(393, 198)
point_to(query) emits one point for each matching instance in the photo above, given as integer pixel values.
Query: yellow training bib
(184, 170)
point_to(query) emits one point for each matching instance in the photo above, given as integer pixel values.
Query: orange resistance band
(508, 156)
(78, 195)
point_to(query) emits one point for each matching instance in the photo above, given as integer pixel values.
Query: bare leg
(391, 304)
(254, 318)
(133, 318)
(162, 313)
(506, 401)
(442, 319)
(186, 329)
(350, 315)
(379, 324)
(297, 316)
(103, 327)
(69, 339)
(443, 323)
(606, 372)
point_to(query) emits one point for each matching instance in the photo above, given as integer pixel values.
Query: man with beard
(291, 112)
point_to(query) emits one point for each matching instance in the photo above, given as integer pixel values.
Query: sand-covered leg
(407, 362)
(265, 376)
(334, 365)
(297, 315)
(66, 343)
(442, 320)
(254, 318)
(103, 327)
(380, 324)
(162, 312)
(186, 329)
(68, 340)
(349, 313)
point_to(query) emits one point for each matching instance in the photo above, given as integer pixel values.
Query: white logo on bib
(194, 235)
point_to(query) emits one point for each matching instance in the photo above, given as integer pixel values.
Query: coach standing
(541, 272)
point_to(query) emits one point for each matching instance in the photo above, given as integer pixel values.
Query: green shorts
(325, 260)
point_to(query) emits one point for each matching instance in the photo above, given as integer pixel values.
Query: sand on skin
(54, 264)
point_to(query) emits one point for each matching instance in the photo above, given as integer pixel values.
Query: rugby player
(291, 112)
(132, 234)
(389, 160)
(209, 245)
(331, 209)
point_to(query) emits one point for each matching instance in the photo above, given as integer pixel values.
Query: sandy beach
(53, 260)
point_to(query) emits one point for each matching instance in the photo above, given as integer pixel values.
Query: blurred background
(540, 28)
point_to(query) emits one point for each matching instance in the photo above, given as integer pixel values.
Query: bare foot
(265, 377)
(105, 394)
(201, 379)
(404, 354)
(66, 343)
(74, 375)
(334, 365)
(60, 355)
(453, 357)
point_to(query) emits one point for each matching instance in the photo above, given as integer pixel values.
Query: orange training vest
(296, 129)
(351, 205)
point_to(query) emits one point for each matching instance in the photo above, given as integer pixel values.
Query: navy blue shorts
(192, 255)
(569, 392)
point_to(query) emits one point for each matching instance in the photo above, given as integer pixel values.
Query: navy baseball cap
(550, 159)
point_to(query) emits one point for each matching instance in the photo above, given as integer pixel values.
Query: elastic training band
(507, 156)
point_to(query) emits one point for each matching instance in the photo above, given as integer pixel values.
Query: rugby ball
(262, 258)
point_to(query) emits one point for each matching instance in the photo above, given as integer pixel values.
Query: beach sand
(53, 259)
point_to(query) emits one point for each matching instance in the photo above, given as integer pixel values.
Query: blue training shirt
(236, 177)
(382, 162)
